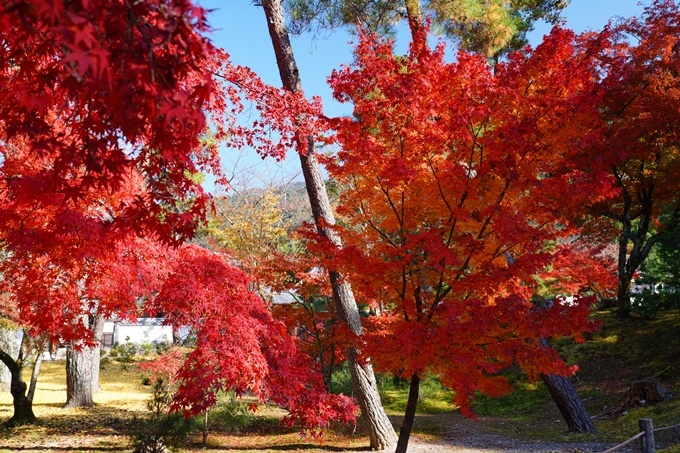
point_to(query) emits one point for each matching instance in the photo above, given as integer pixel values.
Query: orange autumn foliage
(457, 195)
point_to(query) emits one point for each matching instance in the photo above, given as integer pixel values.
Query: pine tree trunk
(410, 415)
(23, 406)
(568, 402)
(380, 429)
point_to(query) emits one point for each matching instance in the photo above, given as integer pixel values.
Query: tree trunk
(34, 375)
(414, 14)
(380, 429)
(78, 376)
(79, 360)
(624, 278)
(97, 333)
(568, 402)
(630, 259)
(10, 343)
(23, 406)
(623, 295)
(410, 415)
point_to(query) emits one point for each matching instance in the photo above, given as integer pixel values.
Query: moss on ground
(618, 353)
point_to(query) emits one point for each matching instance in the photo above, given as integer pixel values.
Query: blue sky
(240, 28)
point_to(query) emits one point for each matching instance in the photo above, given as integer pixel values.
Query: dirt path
(489, 443)
(462, 435)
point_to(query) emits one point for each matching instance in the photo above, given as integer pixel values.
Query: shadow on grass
(62, 448)
(62, 421)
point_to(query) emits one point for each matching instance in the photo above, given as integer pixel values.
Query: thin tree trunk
(568, 402)
(97, 333)
(629, 260)
(9, 342)
(624, 278)
(380, 429)
(23, 407)
(410, 415)
(206, 426)
(36, 371)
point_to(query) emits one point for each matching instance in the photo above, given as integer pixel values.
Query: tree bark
(414, 14)
(97, 333)
(623, 295)
(568, 402)
(78, 376)
(9, 342)
(79, 372)
(34, 375)
(380, 429)
(23, 406)
(410, 415)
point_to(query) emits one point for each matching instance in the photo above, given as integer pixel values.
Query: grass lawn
(620, 352)
(105, 426)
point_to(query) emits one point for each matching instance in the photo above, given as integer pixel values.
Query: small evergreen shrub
(161, 431)
(124, 353)
(230, 413)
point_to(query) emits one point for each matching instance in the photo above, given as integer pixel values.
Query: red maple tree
(457, 197)
(636, 156)
(104, 113)
(239, 345)
(310, 314)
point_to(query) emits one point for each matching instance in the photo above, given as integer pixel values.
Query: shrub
(341, 381)
(230, 413)
(124, 353)
(161, 431)
(649, 303)
(147, 347)
(162, 347)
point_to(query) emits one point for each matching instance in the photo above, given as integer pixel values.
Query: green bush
(147, 348)
(162, 347)
(648, 304)
(161, 431)
(124, 353)
(341, 381)
(230, 413)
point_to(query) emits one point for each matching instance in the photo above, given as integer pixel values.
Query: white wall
(146, 330)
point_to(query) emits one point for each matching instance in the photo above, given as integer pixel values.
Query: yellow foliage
(250, 224)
